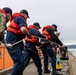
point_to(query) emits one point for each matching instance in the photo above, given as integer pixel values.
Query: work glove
(29, 35)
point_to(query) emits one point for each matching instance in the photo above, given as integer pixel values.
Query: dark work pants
(48, 52)
(46, 57)
(33, 53)
(16, 53)
(18, 59)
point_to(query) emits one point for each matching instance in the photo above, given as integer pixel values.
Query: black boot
(40, 74)
(55, 73)
(47, 71)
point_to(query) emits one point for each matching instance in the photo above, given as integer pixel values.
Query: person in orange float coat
(16, 31)
(46, 47)
(31, 43)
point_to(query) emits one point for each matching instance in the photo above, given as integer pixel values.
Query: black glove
(38, 44)
(29, 35)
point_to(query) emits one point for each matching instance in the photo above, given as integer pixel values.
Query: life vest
(13, 27)
(33, 38)
(16, 15)
(45, 33)
(32, 26)
(2, 11)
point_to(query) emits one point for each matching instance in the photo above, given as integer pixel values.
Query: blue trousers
(16, 53)
(48, 52)
(18, 59)
(33, 53)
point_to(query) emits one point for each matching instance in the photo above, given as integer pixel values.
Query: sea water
(71, 47)
(73, 50)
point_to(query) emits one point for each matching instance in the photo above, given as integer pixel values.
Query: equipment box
(5, 59)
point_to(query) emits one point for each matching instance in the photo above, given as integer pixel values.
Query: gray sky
(60, 12)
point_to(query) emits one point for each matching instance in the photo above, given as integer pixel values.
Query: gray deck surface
(31, 69)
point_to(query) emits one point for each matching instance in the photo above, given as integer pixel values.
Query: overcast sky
(59, 12)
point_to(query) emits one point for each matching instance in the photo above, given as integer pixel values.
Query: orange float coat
(33, 38)
(13, 27)
(45, 33)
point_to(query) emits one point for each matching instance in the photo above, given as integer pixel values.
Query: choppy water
(72, 47)
(73, 51)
